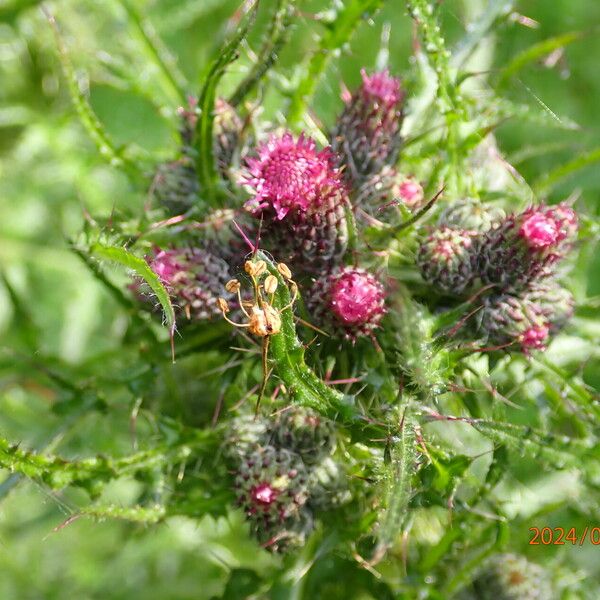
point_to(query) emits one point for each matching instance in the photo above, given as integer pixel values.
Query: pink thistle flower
(290, 175)
(349, 300)
(534, 338)
(382, 88)
(539, 231)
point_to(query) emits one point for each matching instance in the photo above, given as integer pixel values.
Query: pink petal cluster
(539, 231)
(565, 219)
(290, 175)
(357, 298)
(382, 87)
(535, 338)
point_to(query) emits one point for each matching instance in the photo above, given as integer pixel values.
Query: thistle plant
(374, 365)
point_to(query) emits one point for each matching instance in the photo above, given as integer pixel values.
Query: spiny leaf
(277, 36)
(141, 267)
(339, 31)
(205, 159)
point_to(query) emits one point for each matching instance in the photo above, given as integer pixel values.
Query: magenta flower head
(367, 133)
(300, 195)
(290, 175)
(350, 302)
(523, 247)
(381, 89)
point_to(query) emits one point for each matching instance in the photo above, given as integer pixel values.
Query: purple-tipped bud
(350, 302)
(194, 278)
(528, 317)
(446, 259)
(302, 200)
(523, 247)
(367, 134)
(271, 486)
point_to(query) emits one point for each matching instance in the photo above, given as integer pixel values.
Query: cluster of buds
(367, 134)
(523, 247)
(512, 577)
(301, 198)
(349, 302)
(514, 256)
(284, 468)
(446, 259)
(389, 188)
(194, 278)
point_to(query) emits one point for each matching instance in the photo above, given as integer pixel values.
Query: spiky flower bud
(555, 303)
(349, 301)
(194, 278)
(510, 319)
(299, 194)
(245, 434)
(470, 214)
(367, 133)
(227, 128)
(512, 577)
(175, 185)
(446, 259)
(523, 247)
(389, 187)
(304, 432)
(271, 487)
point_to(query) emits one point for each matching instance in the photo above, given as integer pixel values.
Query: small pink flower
(382, 87)
(410, 192)
(263, 494)
(539, 231)
(535, 338)
(290, 174)
(357, 297)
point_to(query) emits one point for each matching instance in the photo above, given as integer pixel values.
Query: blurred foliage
(86, 376)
